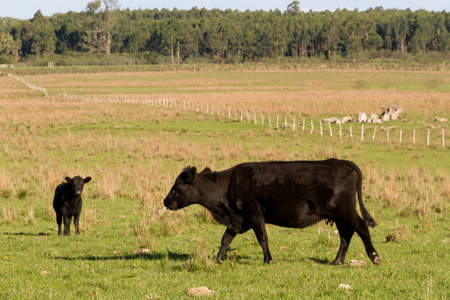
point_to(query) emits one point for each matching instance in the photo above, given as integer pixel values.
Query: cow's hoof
(377, 260)
(336, 262)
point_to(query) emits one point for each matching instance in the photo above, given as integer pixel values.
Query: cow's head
(184, 192)
(77, 183)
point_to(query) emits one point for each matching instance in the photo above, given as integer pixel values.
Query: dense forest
(229, 36)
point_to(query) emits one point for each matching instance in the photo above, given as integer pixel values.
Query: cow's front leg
(227, 238)
(260, 232)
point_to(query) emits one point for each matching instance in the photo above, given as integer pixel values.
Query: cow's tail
(365, 214)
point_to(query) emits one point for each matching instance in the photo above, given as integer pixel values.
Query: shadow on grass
(320, 261)
(26, 233)
(145, 256)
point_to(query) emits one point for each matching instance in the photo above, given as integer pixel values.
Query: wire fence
(434, 136)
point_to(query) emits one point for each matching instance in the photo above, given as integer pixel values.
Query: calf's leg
(59, 222)
(76, 222)
(67, 221)
(227, 238)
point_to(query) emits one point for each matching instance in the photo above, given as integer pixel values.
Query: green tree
(293, 8)
(102, 25)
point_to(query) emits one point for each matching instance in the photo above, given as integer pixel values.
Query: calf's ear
(87, 179)
(68, 179)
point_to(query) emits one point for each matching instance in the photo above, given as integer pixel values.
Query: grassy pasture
(134, 152)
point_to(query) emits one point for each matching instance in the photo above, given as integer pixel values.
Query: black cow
(67, 203)
(289, 194)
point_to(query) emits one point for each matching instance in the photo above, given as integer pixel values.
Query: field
(116, 128)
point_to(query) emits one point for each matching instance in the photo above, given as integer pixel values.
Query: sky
(25, 9)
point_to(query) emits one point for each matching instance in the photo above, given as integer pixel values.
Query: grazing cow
(289, 194)
(67, 203)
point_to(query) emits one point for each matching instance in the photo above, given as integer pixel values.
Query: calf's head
(78, 183)
(184, 192)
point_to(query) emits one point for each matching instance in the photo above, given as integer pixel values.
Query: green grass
(134, 153)
(100, 262)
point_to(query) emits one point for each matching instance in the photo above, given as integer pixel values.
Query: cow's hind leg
(363, 231)
(345, 233)
(59, 222)
(227, 238)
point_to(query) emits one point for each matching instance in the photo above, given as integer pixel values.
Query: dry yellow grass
(44, 139)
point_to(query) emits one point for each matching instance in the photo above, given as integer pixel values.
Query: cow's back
(292, 194)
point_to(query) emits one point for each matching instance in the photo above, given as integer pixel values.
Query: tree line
(227, 36)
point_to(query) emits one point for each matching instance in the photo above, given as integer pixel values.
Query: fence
(367, 132)
(238, 115)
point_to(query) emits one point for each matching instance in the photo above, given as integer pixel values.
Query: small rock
(441, 120)
(357, 263)
(200, 291)
(195, 239)
(142, 251)
(344, 286)
(43, 272)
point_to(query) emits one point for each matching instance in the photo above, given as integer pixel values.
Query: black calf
(67, 203)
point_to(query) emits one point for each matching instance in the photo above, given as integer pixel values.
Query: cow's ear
(87, 179)
(206, 170)
(190, 174)
(68, 179)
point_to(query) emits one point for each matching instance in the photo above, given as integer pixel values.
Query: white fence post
(414, 136)
(293, 125)
(374, 132)
(329, 126)
(321, 132)
(270, 123)
(428, 138)
(362, 132)
(312, 126)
